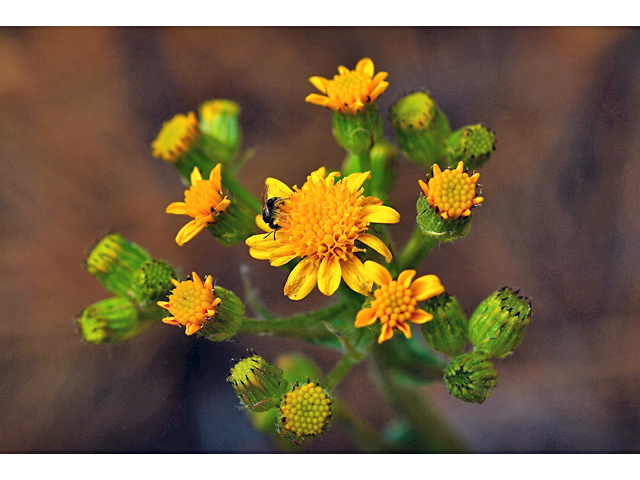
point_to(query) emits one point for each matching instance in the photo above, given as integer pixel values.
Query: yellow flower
(394, 303)
(203, 201)
(320, 224)
(306, 410)
(175, 137)
(350, 90)
(192, 303)
(452, 192)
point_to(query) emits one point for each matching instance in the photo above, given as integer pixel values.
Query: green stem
(433, 432)
(361, 431)
(416, 249)
(292, 324)
(231, 182)
(342, 368)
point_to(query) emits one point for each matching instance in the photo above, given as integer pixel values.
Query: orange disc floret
(452, 192)
(192, 303)
(203, 202)
(350, 90)
(306, 410)
(394, 301)
(175, 137)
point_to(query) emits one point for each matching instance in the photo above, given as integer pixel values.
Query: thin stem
(232, 183)
(416, 249)
(342, 368)
(290, 324)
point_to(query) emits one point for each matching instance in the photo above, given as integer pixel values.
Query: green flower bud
(472, 145)
(259, 385)
(304, 413)
(152, 282)
(111, 320)
(219, 121)
(228, 317)
(114, 261)
(358, 132)
(499, 323)
(421, 128)
(471, 377)
(447, 331)
(297, 367)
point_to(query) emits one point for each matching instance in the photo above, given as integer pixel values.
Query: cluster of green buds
(300, 411)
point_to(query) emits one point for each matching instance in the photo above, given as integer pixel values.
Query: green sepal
(472, 145)
(471, 377)
(447, 331)
(421, 129)
(500, 322)
(112, 320)
(152, 282)
(226, 322)
(432, 224)
(114, 261)
(260, 385)
(357, 133)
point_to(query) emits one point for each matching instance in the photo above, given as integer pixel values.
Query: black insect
(270, 210)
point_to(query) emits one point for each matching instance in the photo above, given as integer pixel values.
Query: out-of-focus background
(79, 108)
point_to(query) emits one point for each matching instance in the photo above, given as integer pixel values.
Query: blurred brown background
(79, 108)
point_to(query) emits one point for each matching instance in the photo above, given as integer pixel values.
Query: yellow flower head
(350, 90)
(203, 202)
(320, 223)
(394, 302)
(175, 137)
(452, 192)
(306, 410)
(191, 304)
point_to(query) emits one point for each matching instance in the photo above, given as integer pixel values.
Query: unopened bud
(471, 377)
(111, 320)
(446, 332)
(305, 413)
(472, 145)
(259, 385)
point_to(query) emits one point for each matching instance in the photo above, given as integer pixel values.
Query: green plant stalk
(416, 249)
(231, 182)
(292, 324)
(342, 368)
(434, 433)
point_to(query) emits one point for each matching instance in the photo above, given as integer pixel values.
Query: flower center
(321, 220)
(452, 192)
(202, 198)
(191, 303)
(393, 303)
(175, 137)
(306, 410)
(349, 87)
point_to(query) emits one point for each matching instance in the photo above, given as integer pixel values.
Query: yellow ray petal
(177, 208)
(316, 99)
(301, 280)
(187, 232)
(222, 206)
(320, 83)
(342, 70)
(276, 188)
(377, 244)
(377, 273)
(386, 333)
(192, 328)
(379, 90)
(329, 275)
(379, 214)
(353, 274)
(195, 175)
(216, 176)
(170, 321)
(405, 277)
(404, 328)
(365, 66)
(261, 243)
(355, 180)
(380, 76)
(419, 316)
(424, 187)
(426, 287)
(365, 317)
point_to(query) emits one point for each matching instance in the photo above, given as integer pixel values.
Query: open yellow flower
(452, 192)
(320, 223)
(203, 201)
(350, 90)
(175, 137)
(394, 302)
(191, 304)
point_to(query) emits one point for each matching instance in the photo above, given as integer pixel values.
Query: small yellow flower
(203, 201)
(306, 410)
(350, 90)
(394, 302)
(191, 304)
(320, 223)
(452, 192)
(175, 137)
